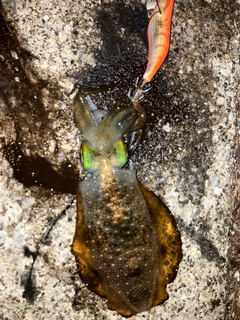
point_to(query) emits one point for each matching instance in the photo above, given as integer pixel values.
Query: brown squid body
(126, 243)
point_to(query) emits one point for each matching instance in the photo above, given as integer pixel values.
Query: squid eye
(87, 155)
(121, 153)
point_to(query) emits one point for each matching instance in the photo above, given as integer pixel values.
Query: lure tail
(158, 34)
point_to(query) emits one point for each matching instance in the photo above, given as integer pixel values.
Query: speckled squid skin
(126, 243)
(130, 258)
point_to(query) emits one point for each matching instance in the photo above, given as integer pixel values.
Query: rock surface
(186, 156)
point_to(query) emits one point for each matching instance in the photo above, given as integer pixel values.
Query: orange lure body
(158, 33)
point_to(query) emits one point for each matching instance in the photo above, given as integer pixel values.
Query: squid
(158, 34)
(126, 244)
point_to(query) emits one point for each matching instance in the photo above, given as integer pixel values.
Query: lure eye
(87, 155)
(121, 153)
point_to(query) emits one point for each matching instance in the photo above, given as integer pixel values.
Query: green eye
(121, 153)
(86, 156)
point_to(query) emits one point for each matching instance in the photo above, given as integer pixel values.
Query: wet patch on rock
(37, 171)
(26, 119)
(186, 155)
